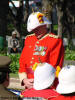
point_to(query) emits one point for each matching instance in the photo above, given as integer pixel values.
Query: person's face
(40, 31)
(14, 35)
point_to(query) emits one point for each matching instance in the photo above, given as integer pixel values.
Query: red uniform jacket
(61, 97)
(48, 49)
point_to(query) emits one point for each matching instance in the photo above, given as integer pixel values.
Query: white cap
(14, 32)
(36, 19)
(44, 76)
(66, 80)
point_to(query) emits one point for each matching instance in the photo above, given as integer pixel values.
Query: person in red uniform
(66, 86)
(40, 46)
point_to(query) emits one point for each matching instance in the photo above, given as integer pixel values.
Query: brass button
(30, 46)
(31, 62)
(32, 58)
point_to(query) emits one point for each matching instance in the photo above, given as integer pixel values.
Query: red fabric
(61, 97)
(55, 83)
(46, 93)
(53, 48)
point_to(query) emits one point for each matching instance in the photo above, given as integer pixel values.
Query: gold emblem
(40, 17)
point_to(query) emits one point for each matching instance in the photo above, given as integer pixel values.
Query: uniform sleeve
(22, 60)
(57, 53)
(22, 69)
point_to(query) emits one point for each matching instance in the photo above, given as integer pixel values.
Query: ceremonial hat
(4, 63)
(66, 80)
(44, 76)
(35, 20)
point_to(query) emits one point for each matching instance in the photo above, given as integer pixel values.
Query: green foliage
(14, 66)
(10, 28)
(3, 51)
(69, 54)
(24, 29)
(55, 27)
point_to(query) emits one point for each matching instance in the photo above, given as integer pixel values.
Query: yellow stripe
(29, 35)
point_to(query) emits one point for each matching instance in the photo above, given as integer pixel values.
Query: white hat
(66, 80)
(14, 32)
(44, 76)
(36, 19)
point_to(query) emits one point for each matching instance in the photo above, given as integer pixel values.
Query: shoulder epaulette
(54, 36)
(29, 35)
(44, 36)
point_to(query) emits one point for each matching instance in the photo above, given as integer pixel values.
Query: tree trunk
(19, 16)
(26, 12)
(67, 19)
(47, 10)
(59, 15)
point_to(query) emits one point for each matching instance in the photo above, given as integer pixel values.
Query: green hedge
(14, 66)
(69, 54)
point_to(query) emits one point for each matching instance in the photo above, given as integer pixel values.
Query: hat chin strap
(40, 31)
